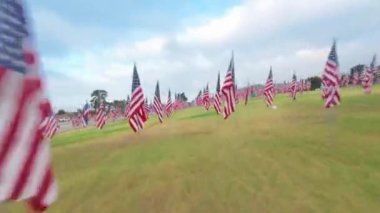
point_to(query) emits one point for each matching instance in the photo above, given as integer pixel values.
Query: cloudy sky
(91, 44)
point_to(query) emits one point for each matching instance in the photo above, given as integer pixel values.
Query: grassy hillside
(298, 158)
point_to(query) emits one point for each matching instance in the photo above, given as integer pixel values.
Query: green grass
(298, 158)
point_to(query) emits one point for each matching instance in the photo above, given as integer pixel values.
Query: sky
(183, 44)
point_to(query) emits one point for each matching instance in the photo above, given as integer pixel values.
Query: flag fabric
(52, 127)
(293, 88)
(169, 105)
(76, 121)
(216, 100)
(269, 89)
(86, 114)
(25, 165)
(228, 91)
(101, 116)
(135, 112)
(369, 76)
(146, 107)
(217, 103)
(114, 113)
(355, 78)
(179, 104)
(206, 98)
(344, 81)
(330, 79)
(157, 105)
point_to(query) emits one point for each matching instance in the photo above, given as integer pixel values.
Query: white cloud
(262, 33)
(258, 18)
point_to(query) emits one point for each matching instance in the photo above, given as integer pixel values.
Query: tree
(316, 82)
(358, 68)
(97, 96)
(61, 112)
(120, 104)
(182, 97)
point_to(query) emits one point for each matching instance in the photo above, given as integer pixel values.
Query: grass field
(298, 158)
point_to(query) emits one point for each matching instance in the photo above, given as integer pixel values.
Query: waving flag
(114, 113)
(269, 89)
(369, 76)
(169, 105)
(146, 107)
(228, 90)
(206, 98)
(135, 110)
(330, 79)
(199, 99)
(86, 114)
(217, 100)
(344, 81)
(157, 105)
(51, 127)
(25, 166)
(77, 120)
(101, 116)
(355, 78)
(293, 88)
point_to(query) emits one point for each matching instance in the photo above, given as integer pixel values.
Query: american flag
(114, 113)
(355, 78)
(146, 107)
(293, 88)
(86, 114)
(25, 166)
(101, 116)
(199, 99)
(206, 98)
(51, 127)
(228, 90)
(179, 104)
(216, 100)
(157, 105)
(169, 105)
(369, 76)
(76, 121)
(269, 89)
(330, 79)
(135, 112)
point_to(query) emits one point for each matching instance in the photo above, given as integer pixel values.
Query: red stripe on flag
(29, 162)
(29, 87)
(37, 201)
